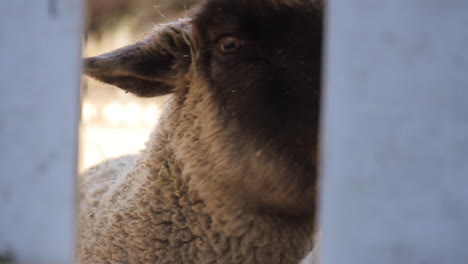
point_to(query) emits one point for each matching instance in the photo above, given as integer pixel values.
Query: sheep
(229, 174)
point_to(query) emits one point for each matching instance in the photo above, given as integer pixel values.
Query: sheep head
(246, 82)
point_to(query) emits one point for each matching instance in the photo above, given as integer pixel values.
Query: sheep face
(245, 76)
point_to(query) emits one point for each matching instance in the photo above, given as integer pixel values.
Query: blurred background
(114, 123)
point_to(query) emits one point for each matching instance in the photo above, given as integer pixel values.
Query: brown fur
(229, 174)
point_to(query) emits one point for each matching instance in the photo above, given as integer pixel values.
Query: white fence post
(39, 101)
(395, 161)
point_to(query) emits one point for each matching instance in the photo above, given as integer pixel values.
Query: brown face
(263, 66)
(254, 80)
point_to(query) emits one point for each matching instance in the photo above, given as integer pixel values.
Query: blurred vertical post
(395, 160)
(39, 109)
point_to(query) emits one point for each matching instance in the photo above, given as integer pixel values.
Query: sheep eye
(230, 44)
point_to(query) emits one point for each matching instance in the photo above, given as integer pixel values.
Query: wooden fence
(40, 58)
(395, 136)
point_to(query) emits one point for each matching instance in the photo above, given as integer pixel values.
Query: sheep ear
(147, 68)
